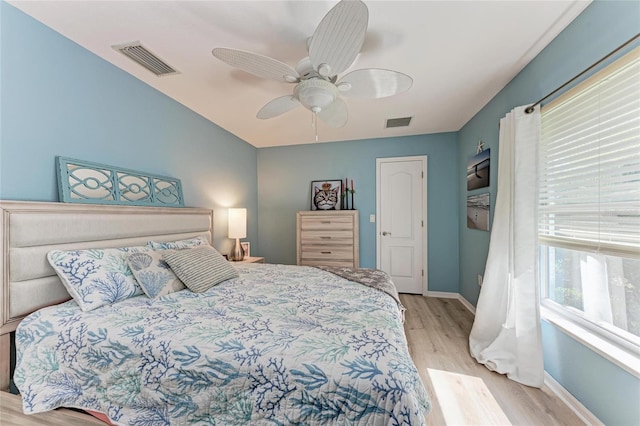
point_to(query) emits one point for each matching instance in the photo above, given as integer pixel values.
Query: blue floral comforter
(278, 345)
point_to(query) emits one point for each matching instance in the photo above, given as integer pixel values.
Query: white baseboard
(443, 294)
(556, 388)
(449, 295)
(467, 304)
(576, 406)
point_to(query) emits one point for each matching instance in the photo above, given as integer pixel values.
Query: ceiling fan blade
(373, 83)
(339, 37)
(335, 115)
(258, 65)
(277, 107)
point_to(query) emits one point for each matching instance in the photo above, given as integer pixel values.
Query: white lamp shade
(237, 223)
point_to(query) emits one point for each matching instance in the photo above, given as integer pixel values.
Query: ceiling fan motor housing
(315, 94)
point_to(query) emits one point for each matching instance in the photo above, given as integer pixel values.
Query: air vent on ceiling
(398, 122)
(140, 54)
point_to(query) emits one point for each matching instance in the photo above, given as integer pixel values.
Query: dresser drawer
(342, 263)
(327, 252)
(326, 237)
(326, 223)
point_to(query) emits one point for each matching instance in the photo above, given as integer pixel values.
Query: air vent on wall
(398, 122)
(140, 54)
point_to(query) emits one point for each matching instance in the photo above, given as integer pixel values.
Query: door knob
(385, 233)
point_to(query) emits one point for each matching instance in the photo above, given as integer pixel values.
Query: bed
(278, 344)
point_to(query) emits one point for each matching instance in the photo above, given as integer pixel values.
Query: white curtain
(506, 331)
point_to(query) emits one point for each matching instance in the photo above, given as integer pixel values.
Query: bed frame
(29, 230)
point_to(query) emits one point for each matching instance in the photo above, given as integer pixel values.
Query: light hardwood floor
(11, 415)
(462, 391)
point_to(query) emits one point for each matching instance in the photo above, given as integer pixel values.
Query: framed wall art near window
(478, 211)
(326, 194)
(478, 170)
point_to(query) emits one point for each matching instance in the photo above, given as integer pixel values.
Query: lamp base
(238, 252)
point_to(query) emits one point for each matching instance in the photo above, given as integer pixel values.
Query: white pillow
(96, 277)
(178, 245)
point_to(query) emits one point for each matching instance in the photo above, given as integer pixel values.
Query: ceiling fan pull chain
(314, 119)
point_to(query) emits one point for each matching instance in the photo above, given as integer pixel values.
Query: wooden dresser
(328, 238)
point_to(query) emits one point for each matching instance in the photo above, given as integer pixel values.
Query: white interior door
(402, 220)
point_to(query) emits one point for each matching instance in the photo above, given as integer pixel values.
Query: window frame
(600, 339)
(624, 352)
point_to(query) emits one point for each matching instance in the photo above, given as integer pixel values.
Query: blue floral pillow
(178, 245)
(153, 274)
(96, 277)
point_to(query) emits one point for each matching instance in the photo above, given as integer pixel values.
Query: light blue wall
(594, 381)
(284, 181)
(608, 391)
(60, 99)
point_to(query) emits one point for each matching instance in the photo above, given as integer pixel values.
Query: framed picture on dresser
(326, 194)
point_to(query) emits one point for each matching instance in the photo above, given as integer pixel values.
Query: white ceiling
(459, 53)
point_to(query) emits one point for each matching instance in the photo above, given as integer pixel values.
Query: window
(589, 204)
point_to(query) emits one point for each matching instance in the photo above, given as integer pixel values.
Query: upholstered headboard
(29, 230)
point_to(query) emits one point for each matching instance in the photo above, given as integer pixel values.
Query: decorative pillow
(178, 245)
(153, 274)
(200, 268)
(96, 277)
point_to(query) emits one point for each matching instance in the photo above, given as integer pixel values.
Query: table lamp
(237, 230)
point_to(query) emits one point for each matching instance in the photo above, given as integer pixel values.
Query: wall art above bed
(86, 182)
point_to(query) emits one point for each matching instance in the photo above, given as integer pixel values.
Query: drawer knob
(325, 238)
(325, 252)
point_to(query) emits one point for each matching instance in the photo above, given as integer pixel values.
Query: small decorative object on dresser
(246, 246)
(326, 194)
(345, 195)
(328, 238)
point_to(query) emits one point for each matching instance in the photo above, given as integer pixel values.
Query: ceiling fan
(333, 48)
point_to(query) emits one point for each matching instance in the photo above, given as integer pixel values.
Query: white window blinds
(590, 163)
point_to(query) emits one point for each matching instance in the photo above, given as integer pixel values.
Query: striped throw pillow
(199, 268)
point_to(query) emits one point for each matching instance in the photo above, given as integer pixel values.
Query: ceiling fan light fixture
(315, 94)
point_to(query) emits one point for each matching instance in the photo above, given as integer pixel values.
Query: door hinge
(422, 223)
(423, 272)
(422, 175)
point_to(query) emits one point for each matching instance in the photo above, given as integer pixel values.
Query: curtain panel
(506, 335)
